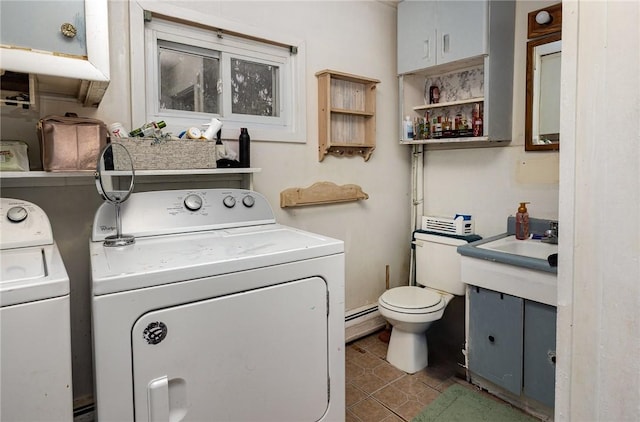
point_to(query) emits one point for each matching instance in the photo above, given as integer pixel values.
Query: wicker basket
(150, 154)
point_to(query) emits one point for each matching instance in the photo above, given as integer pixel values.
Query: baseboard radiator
(363, 321)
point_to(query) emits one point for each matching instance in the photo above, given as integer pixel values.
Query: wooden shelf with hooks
(346, 114)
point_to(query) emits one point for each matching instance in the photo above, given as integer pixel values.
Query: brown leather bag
(70, 142)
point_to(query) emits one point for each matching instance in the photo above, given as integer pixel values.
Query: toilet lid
(412, 299)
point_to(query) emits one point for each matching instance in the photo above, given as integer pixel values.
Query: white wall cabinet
(466, 49)
(33, 42)
(436, 32)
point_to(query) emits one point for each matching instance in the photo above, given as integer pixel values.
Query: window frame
(252, 45)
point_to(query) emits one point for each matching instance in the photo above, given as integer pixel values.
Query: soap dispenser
(522, 222)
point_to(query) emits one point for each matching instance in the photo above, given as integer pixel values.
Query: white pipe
(417, 199)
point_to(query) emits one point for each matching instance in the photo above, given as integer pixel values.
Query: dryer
(216, 312)
(35, 330)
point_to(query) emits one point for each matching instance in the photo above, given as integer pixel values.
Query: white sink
(519, 275)
(530, 248)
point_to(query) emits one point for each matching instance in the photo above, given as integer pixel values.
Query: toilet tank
(438, 263)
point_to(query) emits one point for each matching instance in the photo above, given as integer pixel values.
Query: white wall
(598, 372)
(352, 37)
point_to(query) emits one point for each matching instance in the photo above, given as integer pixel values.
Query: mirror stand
(114, 181)
(119, 239)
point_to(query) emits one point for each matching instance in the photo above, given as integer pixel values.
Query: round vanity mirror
(114, 181)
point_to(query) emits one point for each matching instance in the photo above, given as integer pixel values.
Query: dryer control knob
(17, 214)
(248, 201)
(229, 201)
(193, 202)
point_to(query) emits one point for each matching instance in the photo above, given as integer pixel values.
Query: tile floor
(379, 392)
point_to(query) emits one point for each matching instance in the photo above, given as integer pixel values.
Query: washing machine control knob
(17, 214)
(229, 201)
(193, 202)
(248, 201)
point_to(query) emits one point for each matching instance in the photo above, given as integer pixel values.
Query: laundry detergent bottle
(522, 222)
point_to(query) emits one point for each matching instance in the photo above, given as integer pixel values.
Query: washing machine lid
(30, 274)
(158, 260)
(413, 300)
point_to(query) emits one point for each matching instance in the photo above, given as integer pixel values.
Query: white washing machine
(35, 331)
(215, 313)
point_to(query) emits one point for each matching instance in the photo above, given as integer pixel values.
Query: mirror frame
(100, 185)
(528, 128)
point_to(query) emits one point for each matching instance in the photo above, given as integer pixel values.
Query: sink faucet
(551, 235)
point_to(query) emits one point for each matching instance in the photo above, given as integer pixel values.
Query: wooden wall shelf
(321, 193)
(346, 114)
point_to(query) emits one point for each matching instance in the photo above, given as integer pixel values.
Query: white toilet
(412, 309)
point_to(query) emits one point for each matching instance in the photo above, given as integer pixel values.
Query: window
(191, 73)
(188, 78)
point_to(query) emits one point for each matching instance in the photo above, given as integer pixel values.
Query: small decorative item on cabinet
(346, 114)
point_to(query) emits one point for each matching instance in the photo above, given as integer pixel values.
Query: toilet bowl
(412, 309)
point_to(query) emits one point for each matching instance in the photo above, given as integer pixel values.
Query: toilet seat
(412, 300)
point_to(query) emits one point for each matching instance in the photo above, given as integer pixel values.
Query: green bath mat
(460, 404)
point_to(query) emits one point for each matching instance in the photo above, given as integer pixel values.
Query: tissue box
(150, 154)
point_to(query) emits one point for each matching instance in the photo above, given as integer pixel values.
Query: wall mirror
(544, 57)
(114, 181)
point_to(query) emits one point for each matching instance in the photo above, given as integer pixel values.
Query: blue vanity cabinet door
(539, 352)
(37, 25)
(495, 337)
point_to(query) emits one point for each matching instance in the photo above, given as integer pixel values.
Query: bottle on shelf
(477, 120)
(117, 130)
(245, 148)
(434, 94)
(408, 129)
(148, 129)
(427, 125)
(437, 127)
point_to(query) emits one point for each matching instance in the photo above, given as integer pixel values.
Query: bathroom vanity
(511, 318)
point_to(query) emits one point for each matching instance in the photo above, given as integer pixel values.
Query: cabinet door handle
(427, 50)
(68, 30)
(445, 43)
(492, 339)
